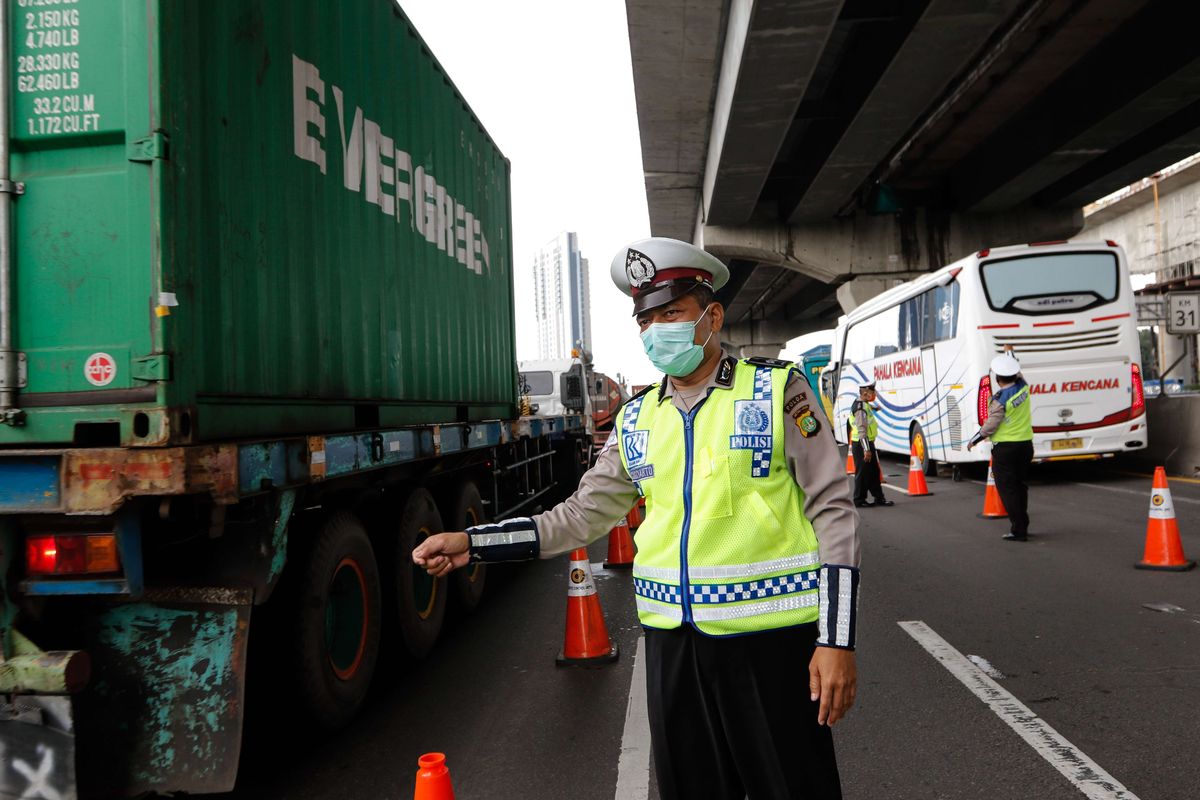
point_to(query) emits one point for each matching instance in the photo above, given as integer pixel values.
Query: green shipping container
(249, 218)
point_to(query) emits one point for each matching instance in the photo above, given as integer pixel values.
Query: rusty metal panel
(165, 709)
(99, 481)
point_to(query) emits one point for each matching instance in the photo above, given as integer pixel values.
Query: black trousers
(866, 474)
(731, 717)
(1010, 467)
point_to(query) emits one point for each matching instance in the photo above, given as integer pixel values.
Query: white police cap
(1005, 366)
(657, 270)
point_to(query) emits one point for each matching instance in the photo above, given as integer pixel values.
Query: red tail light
(71, 554)
(1138, 406)
(985, 397)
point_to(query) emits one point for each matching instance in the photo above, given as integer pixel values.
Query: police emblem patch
(807, 424)
(751, 417)
(639, 269)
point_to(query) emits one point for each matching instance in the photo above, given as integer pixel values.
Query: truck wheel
(420, 599)
(920, 445)
(339, 621)
(470, 580)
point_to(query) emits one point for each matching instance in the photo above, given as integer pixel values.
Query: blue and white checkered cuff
(511, 540)
(838, 606)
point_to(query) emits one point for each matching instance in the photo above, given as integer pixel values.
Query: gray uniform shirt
(606, 494)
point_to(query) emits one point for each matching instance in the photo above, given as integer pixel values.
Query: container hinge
(152, 368)
(148, 148)
(11, 187)
(20, 374)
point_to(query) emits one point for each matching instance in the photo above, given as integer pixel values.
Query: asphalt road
(1062, 618)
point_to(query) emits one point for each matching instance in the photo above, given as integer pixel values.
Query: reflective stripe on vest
(1018, 419)
(872, 425)
(725, 544)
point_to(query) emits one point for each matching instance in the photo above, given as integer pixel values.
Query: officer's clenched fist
(443, 553)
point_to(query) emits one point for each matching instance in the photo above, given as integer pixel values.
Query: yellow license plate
(1066, 444)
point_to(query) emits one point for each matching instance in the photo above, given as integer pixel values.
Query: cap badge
(639, 268)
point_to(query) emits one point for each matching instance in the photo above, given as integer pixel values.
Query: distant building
(562, 300)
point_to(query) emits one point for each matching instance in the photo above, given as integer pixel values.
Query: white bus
(1066, 311)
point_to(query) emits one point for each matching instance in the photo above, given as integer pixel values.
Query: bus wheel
(420, 599)
(338, 641)
(919, 446)
(470, 580)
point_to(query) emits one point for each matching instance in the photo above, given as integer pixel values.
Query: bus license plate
(1066, 444)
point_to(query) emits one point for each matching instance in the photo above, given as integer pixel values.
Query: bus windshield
(1051, 284)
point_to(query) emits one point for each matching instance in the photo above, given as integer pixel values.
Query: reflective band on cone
(1163, 550)
(620, 547)
(993, 507)
(916, 478)
(586, 642)
(433, 778)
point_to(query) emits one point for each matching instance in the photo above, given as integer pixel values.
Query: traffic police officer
(747, 561)
(863, 427)
(1009, 426)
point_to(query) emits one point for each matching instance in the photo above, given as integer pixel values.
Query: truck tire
(339, 609)
(469, 582)
(420, 599)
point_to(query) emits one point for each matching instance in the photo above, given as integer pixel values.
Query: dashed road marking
(633, 768)
(1085, 774)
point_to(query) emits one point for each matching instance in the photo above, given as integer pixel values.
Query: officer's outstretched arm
(604, 496)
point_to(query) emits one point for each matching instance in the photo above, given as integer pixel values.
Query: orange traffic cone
(634, 518)
(586, 642)
(993, 506)
(1163, 548)
(916, 477)
(433, 778)
(850, 470)
(879, 461)
(620, 547)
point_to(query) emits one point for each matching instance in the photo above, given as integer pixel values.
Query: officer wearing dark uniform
(747, 561)
(1009, 426)
(863, 430)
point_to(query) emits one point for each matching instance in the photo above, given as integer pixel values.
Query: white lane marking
(1145, 494)
(894, 488)
(1080, 770)
(1137, 492)
(986, 666)
(633, 768)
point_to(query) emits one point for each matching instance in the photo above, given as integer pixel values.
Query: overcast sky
(552, 83)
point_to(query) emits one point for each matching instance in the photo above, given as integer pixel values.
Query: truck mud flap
(37, 748)
(165, 706)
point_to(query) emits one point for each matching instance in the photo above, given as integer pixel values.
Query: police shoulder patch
(774, 363)
(808, 424)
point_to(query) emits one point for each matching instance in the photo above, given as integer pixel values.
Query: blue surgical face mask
(672, 346)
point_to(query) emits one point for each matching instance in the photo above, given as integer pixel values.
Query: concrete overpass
(825, 147)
